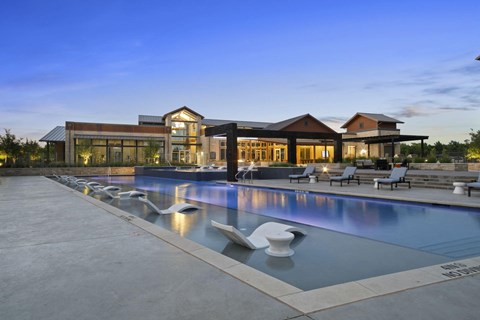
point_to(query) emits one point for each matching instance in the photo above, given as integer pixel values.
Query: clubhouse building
(183, 136)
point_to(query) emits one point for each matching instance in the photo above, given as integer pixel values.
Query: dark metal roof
(378, 117)
(150, 119)
(243, 124)
(385, 139)
(285, 123)
(55, 135)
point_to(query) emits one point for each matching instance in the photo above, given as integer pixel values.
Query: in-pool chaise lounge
(93, 186)
(348, 174)
(178, 207)
(305, 175)
(257, 240)
(108, 191)
(397, 176)
(473, 185)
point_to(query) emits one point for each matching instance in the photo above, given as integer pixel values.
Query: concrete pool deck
(65, 255)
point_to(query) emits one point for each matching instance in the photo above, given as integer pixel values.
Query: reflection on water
(338, 247)
(393, 222)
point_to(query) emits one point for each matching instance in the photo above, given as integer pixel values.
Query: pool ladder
(242, 174)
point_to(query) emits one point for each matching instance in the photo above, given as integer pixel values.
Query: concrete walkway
(64, 255)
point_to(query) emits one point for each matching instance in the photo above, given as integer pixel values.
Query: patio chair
(93, 186)
(348, 174)
(109, 191)
(309, 170)
(473, 185)
(178, 207)
(257, 240)
(397, 176)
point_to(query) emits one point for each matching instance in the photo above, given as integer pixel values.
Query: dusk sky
(109, 61)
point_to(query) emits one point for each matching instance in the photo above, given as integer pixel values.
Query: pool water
(348, 238)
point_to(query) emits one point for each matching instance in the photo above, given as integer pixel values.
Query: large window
(184, 137)
(119, 151)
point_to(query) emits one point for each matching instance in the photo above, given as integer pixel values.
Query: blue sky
(109, 61)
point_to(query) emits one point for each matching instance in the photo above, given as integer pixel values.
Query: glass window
(114, 142)
(129, 142)
(129, 155)
(99, 155)
(99, 142)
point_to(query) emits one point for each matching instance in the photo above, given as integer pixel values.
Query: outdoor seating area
(397, 176)
(364, 164)
(309, 170)
(347, 175)
(473, 185)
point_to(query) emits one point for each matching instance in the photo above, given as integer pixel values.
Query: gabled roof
(184, 108)
(55, 135)
(282, 125)
(243, 124)
(377, 117)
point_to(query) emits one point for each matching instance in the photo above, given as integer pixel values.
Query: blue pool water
(348, 238)
(452, 232)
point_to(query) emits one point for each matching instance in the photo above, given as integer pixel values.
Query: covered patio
(231, 132)
(392, 139)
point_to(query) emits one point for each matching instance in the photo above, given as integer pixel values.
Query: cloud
(337, 120)
(457, 108)
(442, 90)
(411, 112)
(472, 69)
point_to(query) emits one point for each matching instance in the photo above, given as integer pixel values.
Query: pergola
(388, 139)
(231, 132)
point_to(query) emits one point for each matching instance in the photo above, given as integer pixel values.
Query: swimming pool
(348, 238)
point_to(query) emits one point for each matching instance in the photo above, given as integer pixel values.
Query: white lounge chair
(348, 174)
(108, 191)
(473, 185)
(178, 207)
(131, 194)
(93, 186)
(305, 175)
(397, 176)
(257, 240)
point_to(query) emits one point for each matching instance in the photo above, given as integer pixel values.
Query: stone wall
(474, 166)
(440, 166)
(68, 171)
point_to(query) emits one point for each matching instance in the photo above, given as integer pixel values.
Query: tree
(438, 146)
(31, 150)
(473, 146)
(152, 150)
(11, 147)
(85, 150)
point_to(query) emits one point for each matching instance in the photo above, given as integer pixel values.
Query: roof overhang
(261, 133)
(386, 139)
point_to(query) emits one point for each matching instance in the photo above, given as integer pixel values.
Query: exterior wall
(357, 123)
(361, 123)
(375, 150)
(72, 129)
